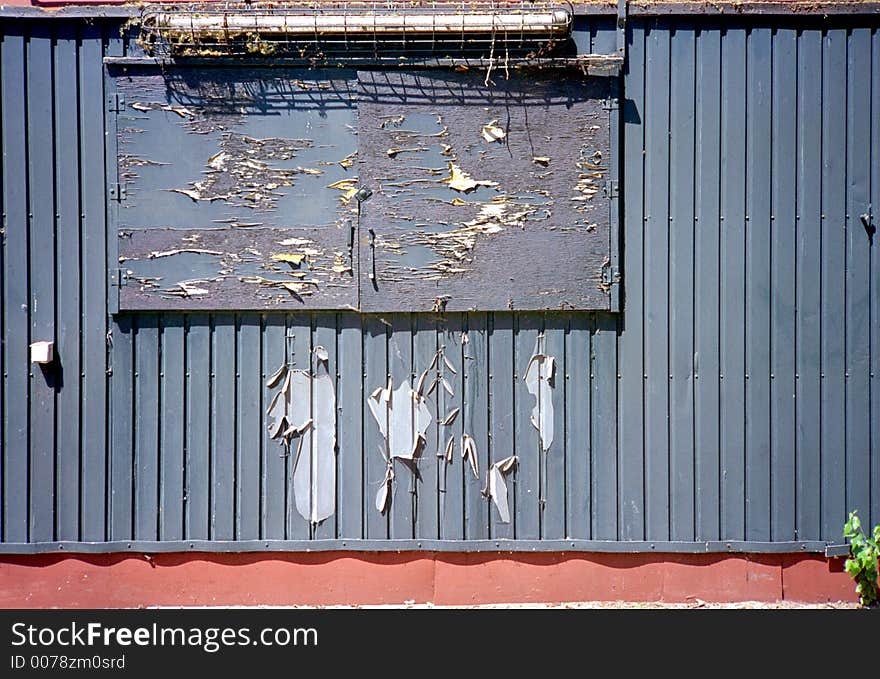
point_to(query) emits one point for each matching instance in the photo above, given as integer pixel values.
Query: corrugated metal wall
(731, 405)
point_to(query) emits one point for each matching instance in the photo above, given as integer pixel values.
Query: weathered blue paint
(731, 405)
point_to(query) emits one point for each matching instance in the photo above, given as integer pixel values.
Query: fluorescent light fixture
(548, 22)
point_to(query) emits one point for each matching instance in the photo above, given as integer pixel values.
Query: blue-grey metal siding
(732, 405)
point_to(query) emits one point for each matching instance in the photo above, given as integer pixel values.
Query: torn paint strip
(496, 486)
(539, 378)
(403, 418)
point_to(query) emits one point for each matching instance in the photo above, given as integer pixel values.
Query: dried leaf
(507, 463)
(286, 388)
(541, 160)
(449, 365)
(460, 180)
(347, 186)
(137, 106)
(447, 386)
(459, 202)
(433, 386)
(348, 161)
(450, 447)
(276, 376)
(420, 385)
(340, 268)
(469, 453)
(291, 258)
(450, 418)
(491, 132)
(321, 353)
(179, 110)
(464, 338)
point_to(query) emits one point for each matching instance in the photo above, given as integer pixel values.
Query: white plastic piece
(42, 352)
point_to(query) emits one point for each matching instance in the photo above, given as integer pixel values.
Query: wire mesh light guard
(356, 30)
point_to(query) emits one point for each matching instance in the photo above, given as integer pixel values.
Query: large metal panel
(430, 463)
(198, 430)
(41, 224)
(475, 421)
(454, 473)
(783, 282)
(858, 294)
(67, 249)
(681, 284)
(16, 318)
(733, 271)
(656, 272)
(707, 284)
(350, 408)
(502, 404)
(578, 446)
(603, 418)
(223, 369)
(807, 294)
(471, 177)
(172, 428)
(758, 230)
(769, 128)
(874, 283)
(94, 344)
(833, 279)
(147, 411)
(248, 433)
(631, 412)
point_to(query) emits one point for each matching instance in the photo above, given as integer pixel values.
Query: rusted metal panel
(251, 164)
(488, 190)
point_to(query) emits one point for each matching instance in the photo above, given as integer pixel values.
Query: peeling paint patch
(306, 402)
(496, 486)
(403, 418)
(539, 378)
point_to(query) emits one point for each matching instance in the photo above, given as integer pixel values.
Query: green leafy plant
(862, 565)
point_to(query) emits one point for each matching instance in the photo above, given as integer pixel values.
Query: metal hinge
(612, 188)
(608, 275)
(117, 192)
(115, 102)
(118, 277)
(611, 104)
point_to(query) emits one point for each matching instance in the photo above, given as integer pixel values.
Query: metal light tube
(554, 22)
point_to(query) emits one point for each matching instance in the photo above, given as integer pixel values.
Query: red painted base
(316, 579)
